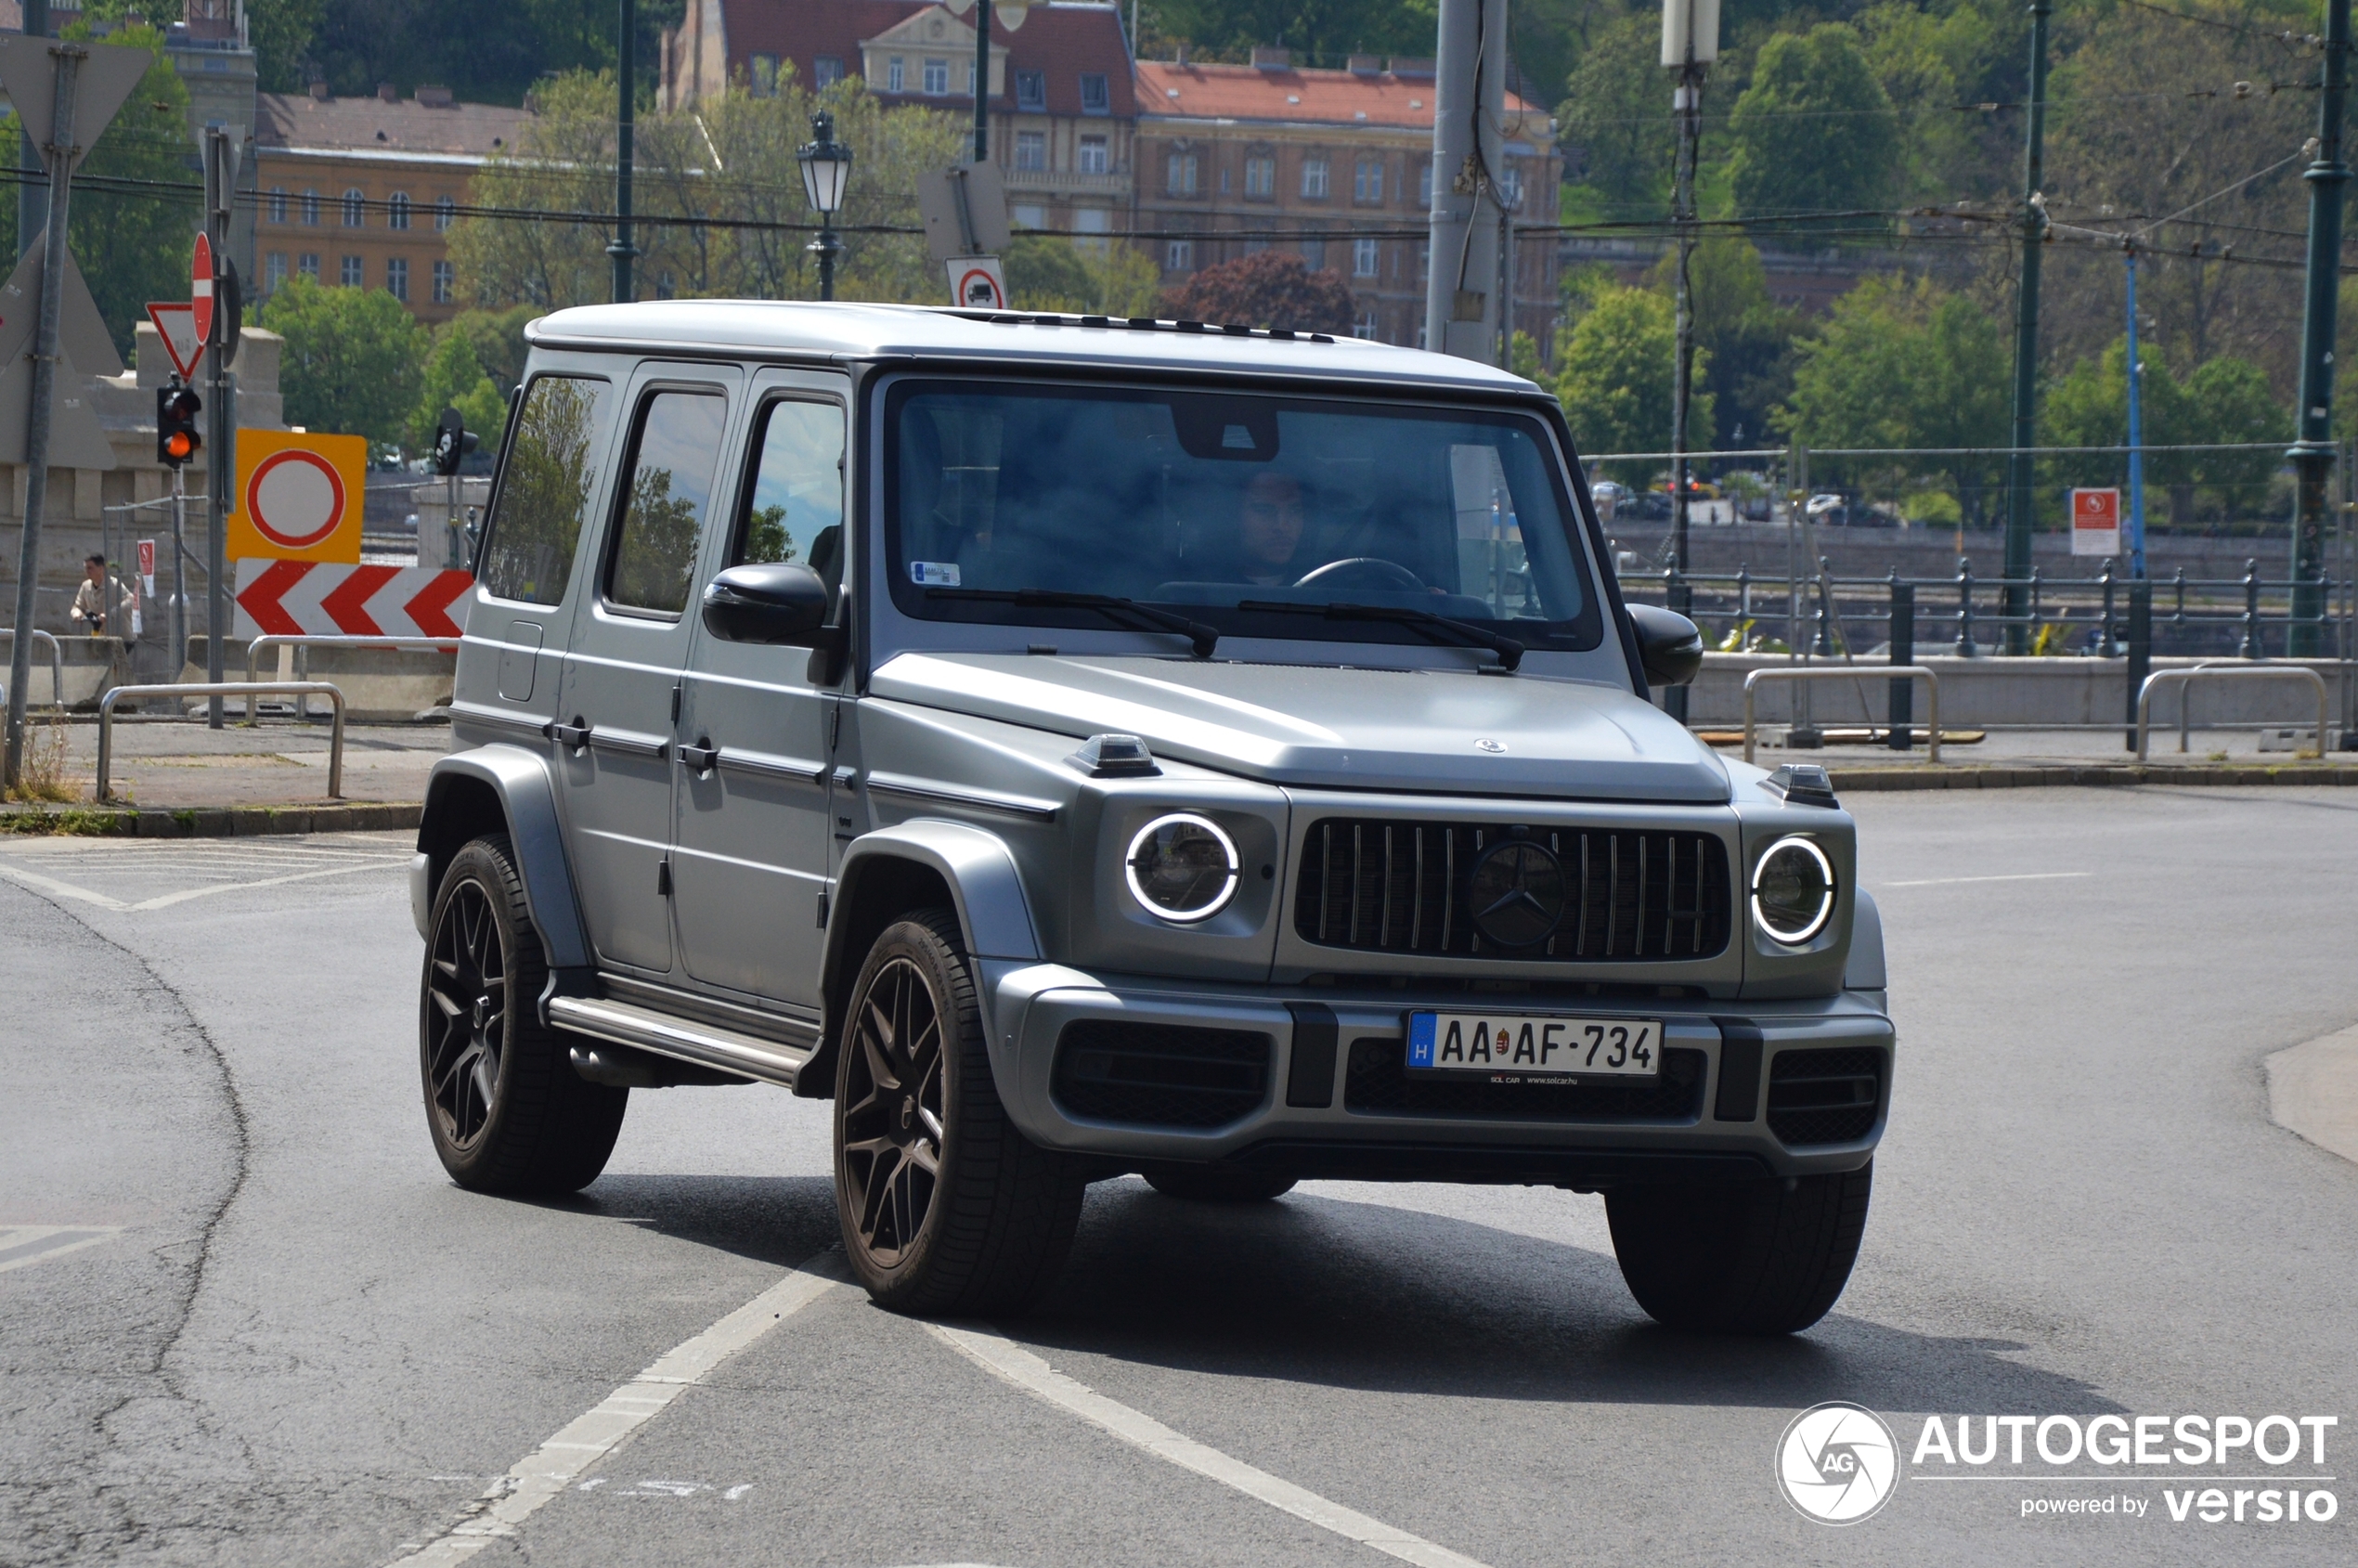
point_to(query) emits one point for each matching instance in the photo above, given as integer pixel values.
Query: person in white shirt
(91, 612)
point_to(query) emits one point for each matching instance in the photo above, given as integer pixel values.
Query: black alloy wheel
(467, 1016)
(892, 1131)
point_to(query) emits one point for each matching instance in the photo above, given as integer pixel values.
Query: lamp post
(826, 169)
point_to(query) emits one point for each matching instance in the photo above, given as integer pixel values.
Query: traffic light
(176, 411)
(452, 442)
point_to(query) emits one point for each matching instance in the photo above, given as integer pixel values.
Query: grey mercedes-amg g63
(1082, 748)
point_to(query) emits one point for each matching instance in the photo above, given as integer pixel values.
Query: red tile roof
(1298, 97)
(370, 124)
(1059, 40)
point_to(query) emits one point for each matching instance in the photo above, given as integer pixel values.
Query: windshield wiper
(1204, 638)
(1436, 628)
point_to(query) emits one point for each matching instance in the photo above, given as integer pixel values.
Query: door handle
(575, 735)
(700, 757)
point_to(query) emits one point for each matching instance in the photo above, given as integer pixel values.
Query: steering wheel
(1364, 571)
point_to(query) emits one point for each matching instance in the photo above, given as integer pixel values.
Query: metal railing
(2216, 672)
(324, 639)
(1861, 672)
(57, 662)
(224, 689)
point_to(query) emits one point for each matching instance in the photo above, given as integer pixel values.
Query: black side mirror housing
(1669, 645)
(780, 603)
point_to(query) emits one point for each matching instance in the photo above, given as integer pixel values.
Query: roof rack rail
(1131, 323)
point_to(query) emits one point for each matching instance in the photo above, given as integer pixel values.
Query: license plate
(1534, 1045)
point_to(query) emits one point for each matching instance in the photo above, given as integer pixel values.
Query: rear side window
(544, 491)
(671, 468)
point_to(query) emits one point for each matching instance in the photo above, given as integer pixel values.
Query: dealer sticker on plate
(1535, 1045)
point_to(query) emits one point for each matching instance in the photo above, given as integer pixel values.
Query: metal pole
(2021, 467)
(2136, 436)
(179, 624)
(221, 462)
(982, 76)
(622, 250)
(1903, 652)
(61, 153)
(2141, 648)
(1461, 303)
(1687, 104)
(32, 190)
(2312, 455)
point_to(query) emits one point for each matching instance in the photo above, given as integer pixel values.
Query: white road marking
(1003, 1359)
(22, 1246)
(538, 1478)
(2019, 876)
(40, 884)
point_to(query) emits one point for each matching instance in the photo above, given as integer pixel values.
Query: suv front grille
(1378, 1080)
(1596, 894)
(1824, 1096)
(1160, 1075)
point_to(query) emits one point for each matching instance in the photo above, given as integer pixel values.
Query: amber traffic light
(176, 438)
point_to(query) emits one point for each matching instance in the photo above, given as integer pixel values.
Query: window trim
(1105, 87)
(619, 503)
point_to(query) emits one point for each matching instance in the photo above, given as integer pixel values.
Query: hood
(1338, 729)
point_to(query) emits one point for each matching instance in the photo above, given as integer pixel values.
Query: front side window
(765, 76)
(544, 489)
(1367, 182)
(308, 265)
(1183, 174)
(671, 467)
(274, 271)
(895, 75)
(827, 70)
(1314, 254)
(1243, 510)
(1031, 150)
(1093, 157)
(1313, 180)
(1179, 255)
(798, 490)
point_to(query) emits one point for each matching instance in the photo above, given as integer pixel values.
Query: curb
(214, 822)
(2100, 774)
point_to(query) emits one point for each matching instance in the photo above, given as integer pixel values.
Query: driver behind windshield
(1269, 529)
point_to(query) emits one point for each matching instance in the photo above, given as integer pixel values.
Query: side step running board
(645, 1029)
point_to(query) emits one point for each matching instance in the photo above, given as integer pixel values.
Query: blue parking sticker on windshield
(1420, 1032)
(934, 574)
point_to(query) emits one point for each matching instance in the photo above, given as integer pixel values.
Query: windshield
(1238, 509)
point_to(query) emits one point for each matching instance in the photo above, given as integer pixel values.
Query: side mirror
(774, 602)
(1669, 645)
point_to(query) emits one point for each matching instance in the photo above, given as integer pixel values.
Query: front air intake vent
(1824, 1096)
(1160, 1075)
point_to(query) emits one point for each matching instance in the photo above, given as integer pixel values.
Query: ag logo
(1837, 1463)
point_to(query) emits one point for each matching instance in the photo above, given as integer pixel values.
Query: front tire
(1765, 1257)
(506, 1109)
(947, 1209)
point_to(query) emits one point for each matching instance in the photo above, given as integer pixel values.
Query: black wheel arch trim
(464, 792)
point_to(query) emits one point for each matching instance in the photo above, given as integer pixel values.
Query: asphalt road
(245, 1320)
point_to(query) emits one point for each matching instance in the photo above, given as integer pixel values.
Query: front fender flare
(980, 870)
(527, 797)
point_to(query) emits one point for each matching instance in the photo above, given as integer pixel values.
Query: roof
(1058, 40)
(1298, 97)
(802, 329)
(475, 130)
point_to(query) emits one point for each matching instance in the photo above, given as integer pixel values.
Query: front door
(749, 868)
(623, 666)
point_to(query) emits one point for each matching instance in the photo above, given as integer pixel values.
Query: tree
(1319, 32)
(352, 363)
(1814, 131)
(2224, 401)
(453, 377)
(281, 31)
(1615, 380)
(1047, 273)
(1747, 335)
(1616, 114)
(1265, 288)
(497, 338)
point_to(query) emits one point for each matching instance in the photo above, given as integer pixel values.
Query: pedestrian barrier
(2245, 672)
(56, 661)
(226, 689)
(1850, 672)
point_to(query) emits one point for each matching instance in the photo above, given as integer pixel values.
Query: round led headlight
(1182, 867)
(1792, 890)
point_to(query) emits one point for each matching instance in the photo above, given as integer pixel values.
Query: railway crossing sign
(300, 496)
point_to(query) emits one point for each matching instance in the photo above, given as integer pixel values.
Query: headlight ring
(1181, 868)
(1792, 890)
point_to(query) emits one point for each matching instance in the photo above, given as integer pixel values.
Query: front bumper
(1717, 1128)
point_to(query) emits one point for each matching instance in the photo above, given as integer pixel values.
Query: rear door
(626, 655)
(749, 866)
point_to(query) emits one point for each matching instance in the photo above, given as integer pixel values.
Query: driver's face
(1271, 519)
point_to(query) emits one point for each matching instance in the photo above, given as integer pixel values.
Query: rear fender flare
(518, 781)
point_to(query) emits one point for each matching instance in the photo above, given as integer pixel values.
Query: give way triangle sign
(177, 325)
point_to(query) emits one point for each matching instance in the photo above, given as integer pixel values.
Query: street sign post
(2095, 522)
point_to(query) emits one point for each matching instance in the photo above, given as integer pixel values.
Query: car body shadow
(778, 1220)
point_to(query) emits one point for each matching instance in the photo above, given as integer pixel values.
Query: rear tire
(506, 1111)
(1766, 1257)
(947, 1209)
(1199, 1183)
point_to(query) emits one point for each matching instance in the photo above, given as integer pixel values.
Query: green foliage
(2224, 401)
(497, 337)
(352, 364)
(1319, 32)
(486, 54)
(1047, 273)
(281, 31)
(1616, 111)
(1815, 131)
(1615, 374)
(453, 377)
(1747, 335)
(1523, 357)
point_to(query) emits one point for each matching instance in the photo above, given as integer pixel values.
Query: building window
(1031, 150)
(1424, 264)
(1179, 255)
(398, 276)
(445, 209)
(1031, 89)
(311, 208)
(1313, 180)
(356, 210)
(937, 78)
(273, 272)
(1313, 254)
(1093, 157)
(1365, 326)
(1092, 221)
(1254, 247)
(1260, 177)
(1424, 186)
(765, 76)
(1511, 187)
(1028, 215)
(446, 282)
(892, 75)
(1367, 182)
(397, 209)
(278, 204)
(1094, 98)
(308, 265)
(1366, 258)
(1181, 181)
(351, 273)
(970, 79)
(826, 70)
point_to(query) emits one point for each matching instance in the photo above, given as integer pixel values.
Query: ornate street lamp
(826, 171)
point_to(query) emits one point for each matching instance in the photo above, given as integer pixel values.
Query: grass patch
(81, 823)
(42, 775)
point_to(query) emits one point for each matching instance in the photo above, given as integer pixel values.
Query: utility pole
(2312, 455)
(2021, 477)
(1462, 308)
(221, 159)
(982, 77)
(61, 154)
(622, 250)
(32, 190)
(1689, 41)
